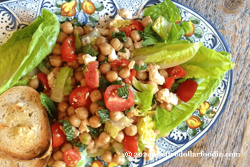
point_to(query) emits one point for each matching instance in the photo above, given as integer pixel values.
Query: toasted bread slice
(24, 126)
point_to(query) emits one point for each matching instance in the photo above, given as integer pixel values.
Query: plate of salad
(125, 83)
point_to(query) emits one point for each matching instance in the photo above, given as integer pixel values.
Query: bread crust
(24, 124)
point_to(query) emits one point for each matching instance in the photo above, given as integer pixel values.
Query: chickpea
(139, 62)
(113, 29)
(101, 58)
(107, 156)
(146, 20)
(59, 164)
(92, 151)
(55, 149)
(154, 84)
(104, 137)
(34, 83)
(78, 76)
(136, 119)
(74, 64)
(135, 36)
(115, 69)
(61, 37)
(166, 106)
(79, 30)
(61, 115)
(55, 60)
(98, 142)
(57, 49)
(82, 113)
(105, 67)
(124, 73)
(131, 113)
(100, 40)
(163, 73)
(138, 45)
(112, 76)
(119, 158)
(93, 108)
(70, 111)
(83, 136)
(74, 120)
(95, 95)
(105, 48)
(80, 59)
(87, 29)
(141, 75)
(51, 161)
(58, 156)
(105, 146)
(91, 144)
(63, 106)
(95, 48)
(116, 116)
(95, 121)
(56, 71)
(67, 27)
(120, 136)
(73, 82)
(116, 44)
(83, 126)
(65, 147)
(131, 130)
(129, 43)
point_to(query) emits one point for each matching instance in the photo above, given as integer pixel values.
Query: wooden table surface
(231, 134)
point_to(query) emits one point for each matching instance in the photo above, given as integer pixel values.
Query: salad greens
(104, 114)
(68, 130)
(88, 49)
(27, 48)
(49, 105)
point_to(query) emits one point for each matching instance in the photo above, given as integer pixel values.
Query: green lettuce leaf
(27, 48)
(167, 55)
(166, 121)
(149, 31)
(62, 84)
(207, 63)
(167, 9)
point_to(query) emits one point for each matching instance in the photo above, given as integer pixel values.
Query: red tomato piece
(71, 157)
(92, 75)
(130, 145)
(186, 90)
(176, 71)
(130, 78)
(168, 82)
(58, 136)
(43, 78)
(137, 25)
(115, 103)
(126, 29)
(79, 97)
(120, 62)
(68, 50)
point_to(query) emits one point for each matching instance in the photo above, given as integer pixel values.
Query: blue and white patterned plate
(16, 14)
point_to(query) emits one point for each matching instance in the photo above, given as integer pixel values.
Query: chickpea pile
(81, 117)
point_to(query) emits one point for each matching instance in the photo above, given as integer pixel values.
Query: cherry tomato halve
(58, 136)
(71, 157)
(115, 103)
(186, 90)
(120, 62)
(137, 25)
(68, 50)
(130, 78)
(130, 145)
(176, 71)
(92, 75)
(127, 30)
(79, 97)
(168, 82)
(43, 78)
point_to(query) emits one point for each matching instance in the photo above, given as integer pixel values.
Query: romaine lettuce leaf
(162, 27)
(166, 121)
(27, 48)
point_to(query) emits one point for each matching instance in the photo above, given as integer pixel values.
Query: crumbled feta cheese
(88, 59)
(103, 31)
(117, 17)
(86, 40)
(154, 75)
(165, 96)
(125, 13)
(124, 55)
(112, 56)
(131, 64)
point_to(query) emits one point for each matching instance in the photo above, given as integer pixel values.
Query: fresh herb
(81, 146)
(139, 67)
(45, 63)
(147, 39)
(176, 84)
(88, 49)
(119, 35)
(123, 91)
(127, 111)
(104, 114)
(95, 132)
(78, 44)
(49, 105)
(100, 103)
(120, 67)
(122, 50)
(119, 82)
(68, 130)
(103, 83)
(75, 22)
